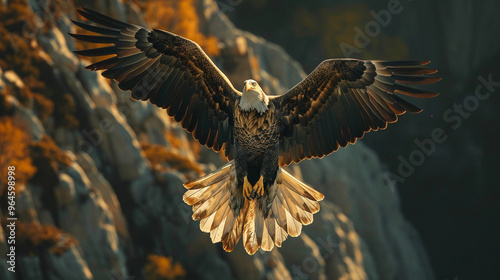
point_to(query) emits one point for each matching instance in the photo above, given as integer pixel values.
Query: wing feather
(342, 99)
(170, 71)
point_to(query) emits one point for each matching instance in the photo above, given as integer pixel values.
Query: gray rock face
(89, 218)
(69, 265)
(120, 210)
(25, 116)
(353, 180)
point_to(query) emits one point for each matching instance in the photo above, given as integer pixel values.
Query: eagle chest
(256, 132)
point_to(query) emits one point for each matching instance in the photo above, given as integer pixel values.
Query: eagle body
(252, 197)
(256, 137)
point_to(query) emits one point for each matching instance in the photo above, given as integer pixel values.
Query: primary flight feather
(252, 196)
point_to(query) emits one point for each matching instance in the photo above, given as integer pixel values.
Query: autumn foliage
(14, 152)
(178, 143)
(48, 159)
(33, 238)
(161, 158)
(179, 17)
(162, 268)
(20, 52)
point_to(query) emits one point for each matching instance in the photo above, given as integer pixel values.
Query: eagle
(252, 196)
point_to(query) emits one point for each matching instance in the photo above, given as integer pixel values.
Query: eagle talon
(247, 189)
(251, 192)
(259, 187)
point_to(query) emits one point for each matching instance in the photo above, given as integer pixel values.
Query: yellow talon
(247, 188)
(260, 186)
(250, 192)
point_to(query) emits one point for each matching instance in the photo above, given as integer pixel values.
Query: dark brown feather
(342, 99)
(171, 71)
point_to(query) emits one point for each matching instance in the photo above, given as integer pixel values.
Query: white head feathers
(253, 97)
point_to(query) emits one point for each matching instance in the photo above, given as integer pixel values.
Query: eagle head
(253, 97)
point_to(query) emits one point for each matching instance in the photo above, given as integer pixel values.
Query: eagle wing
(344, 98)
(170, 71)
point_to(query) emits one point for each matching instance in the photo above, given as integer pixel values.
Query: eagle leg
(258, 189)
(247, 188)
(251, 192)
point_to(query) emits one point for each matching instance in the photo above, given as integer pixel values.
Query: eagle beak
(246, 87)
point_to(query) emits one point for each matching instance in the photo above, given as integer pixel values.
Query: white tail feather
(249, 235)
(293, 205)
(264, 222)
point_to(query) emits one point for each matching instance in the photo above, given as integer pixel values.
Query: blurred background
(99, 176)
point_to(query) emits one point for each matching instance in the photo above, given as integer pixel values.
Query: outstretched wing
(170, 71)
(344, 98)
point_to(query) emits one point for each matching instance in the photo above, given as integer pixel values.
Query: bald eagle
(252, 195)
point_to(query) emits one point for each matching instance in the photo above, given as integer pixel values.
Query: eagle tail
(216, 204)
(269, 220)
(263, 222)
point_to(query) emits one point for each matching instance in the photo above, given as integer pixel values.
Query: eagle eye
(254, 84)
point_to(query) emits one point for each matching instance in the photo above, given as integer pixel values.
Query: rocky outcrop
(354, 181)
(120, 209)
